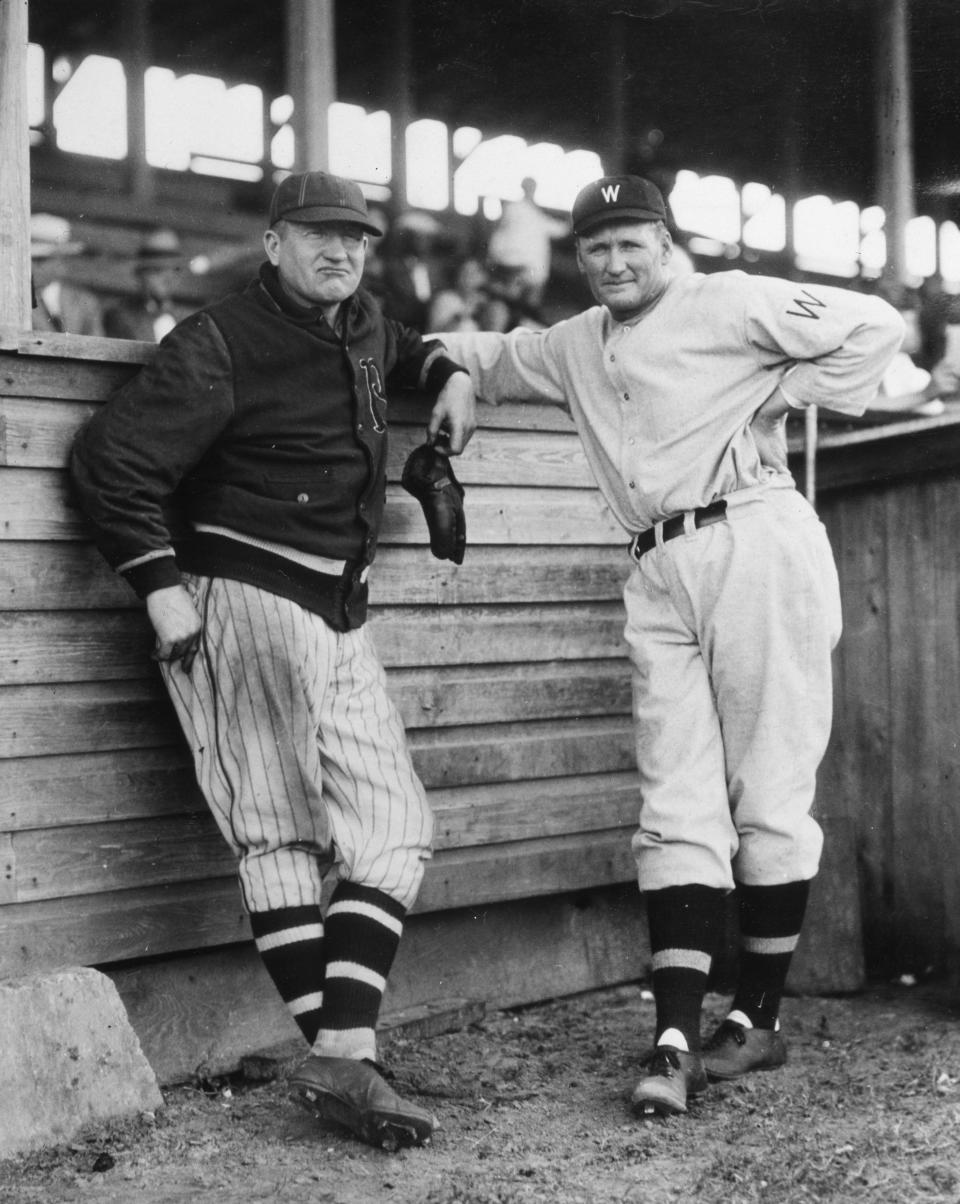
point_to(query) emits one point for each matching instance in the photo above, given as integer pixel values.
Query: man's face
(158, 283)
(625, 264)
(320, 264)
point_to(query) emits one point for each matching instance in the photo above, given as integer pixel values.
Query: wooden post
(616, 95)
(894, 172)
(311, 79)
(15, 302)
(135, 39)
(401, 102)
(791, 150)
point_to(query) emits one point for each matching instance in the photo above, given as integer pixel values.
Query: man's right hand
(176, 623)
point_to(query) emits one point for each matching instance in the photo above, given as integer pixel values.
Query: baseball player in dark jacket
(266, 414)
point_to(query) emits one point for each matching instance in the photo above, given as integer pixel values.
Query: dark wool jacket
(255, 416)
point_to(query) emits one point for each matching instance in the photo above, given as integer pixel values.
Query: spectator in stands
(462, 304)
(408, 279)
(907, 385)
(375, 267)
(474, 301)
(449, 310)
(520, 247)
(59, 304)
(153, 312)
(938, 324)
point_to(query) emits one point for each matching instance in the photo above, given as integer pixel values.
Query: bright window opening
(561, 174)
(708, 206)
(921, 246)
(873, 241)
(90, 114)
(359, 143)
(950, 252)
(492, 173)
(283, 148)
(765, 218)
(827, 236)
(36, 85)
(466, 139)
(428, 165)
(195, 122)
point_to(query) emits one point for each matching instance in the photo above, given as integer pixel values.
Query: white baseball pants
(730, 629)
(299, 751)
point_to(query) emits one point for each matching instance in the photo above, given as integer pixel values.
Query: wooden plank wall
(508, 670)
(893, 766)
(510, 674)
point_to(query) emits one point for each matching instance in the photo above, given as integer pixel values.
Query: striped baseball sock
(363, 928)
(770, 921)
(684, 923)
(290, 943)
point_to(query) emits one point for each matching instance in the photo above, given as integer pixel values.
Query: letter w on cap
(610, 192)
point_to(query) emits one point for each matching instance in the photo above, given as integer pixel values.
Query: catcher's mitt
(428, 475)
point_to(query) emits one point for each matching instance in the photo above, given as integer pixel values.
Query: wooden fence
(511, 677)
(891, 505)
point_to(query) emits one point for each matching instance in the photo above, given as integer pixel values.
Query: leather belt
(646, 541)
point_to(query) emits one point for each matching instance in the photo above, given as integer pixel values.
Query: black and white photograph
(480, 602)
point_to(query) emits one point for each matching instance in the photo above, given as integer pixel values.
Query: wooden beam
(895, 182)
(87, 645)
(15, 300)
(615, 160)
(311, 79)
(36, 504)
(401, 101)
(56, 576)
(135, 38)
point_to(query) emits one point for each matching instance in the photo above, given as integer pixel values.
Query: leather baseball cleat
(672, 1075)
(734, 1050)
(353, 1094)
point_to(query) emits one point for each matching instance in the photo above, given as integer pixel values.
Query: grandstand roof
(721, 80)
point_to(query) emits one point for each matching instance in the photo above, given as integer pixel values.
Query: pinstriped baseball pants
(298, 749)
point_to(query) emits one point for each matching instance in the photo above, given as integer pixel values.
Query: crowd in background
(518, 271)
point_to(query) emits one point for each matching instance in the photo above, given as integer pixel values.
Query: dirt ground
(534, 1106)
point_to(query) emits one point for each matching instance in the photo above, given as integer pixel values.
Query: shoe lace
(728, 1030)
(662, 1059)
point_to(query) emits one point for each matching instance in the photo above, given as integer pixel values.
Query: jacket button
(303, 497)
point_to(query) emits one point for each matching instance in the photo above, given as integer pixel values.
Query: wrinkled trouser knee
(299, 751)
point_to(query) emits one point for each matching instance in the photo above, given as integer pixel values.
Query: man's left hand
(454, 417)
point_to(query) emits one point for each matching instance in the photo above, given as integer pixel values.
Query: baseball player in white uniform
(679, 386)
(266, 414)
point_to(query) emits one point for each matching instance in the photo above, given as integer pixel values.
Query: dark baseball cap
(316, 196)
(617, 198)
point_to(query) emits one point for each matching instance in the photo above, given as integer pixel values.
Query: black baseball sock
(363, 929)
(770, 921)
(684, 922)
(290, 943)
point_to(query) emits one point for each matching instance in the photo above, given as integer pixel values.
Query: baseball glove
(428, 475)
